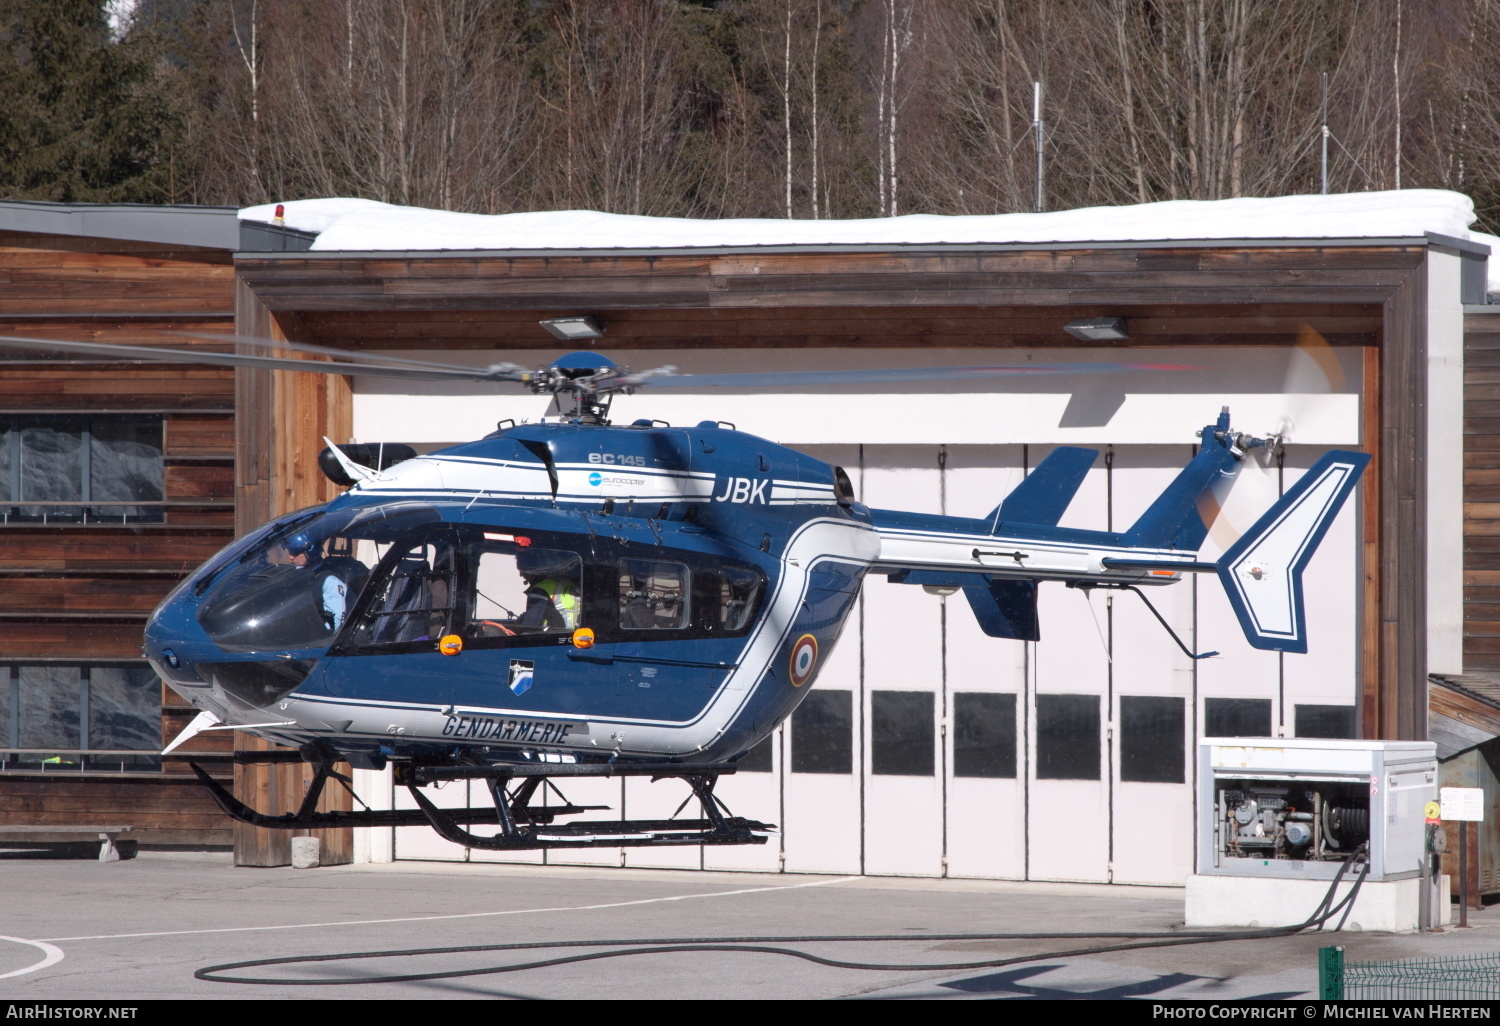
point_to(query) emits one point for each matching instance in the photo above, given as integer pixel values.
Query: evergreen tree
(84, 117)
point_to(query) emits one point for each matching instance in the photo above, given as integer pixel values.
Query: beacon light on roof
(570, 329)
(1097, 329)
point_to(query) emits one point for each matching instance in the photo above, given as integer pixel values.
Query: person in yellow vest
(552, 600)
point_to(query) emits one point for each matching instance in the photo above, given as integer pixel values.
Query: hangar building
(925, 748)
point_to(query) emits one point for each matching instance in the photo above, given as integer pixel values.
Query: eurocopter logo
(596, 479)
(742, 489)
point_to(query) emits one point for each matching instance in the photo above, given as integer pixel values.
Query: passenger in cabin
(552, 599)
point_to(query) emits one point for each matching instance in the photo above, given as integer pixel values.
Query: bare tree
(826, 108)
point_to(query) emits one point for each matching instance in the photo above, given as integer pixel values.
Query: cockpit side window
(296, 585)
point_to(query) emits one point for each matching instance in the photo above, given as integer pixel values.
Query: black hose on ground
(1325, 911)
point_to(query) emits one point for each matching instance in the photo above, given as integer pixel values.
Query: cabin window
(95, 469)
(523, 589)
(984, 734)
(653, 595)
(1237, 717)
(1151, 739)
(61, 716)
(724, 598)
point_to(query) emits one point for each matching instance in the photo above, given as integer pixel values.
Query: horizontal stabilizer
(1262, 572)
(1005, 609)
(1044, 496)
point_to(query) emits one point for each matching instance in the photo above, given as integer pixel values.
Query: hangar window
(66, 716)
(1331, 721)
(1151, 739)
(901, 734)
(1236, 717)
(81, 469)
(984, 734)
(757, 759)
(1067, 737)
(823, 733)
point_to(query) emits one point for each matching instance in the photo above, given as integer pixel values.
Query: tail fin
(1044, 496)
(1262, 572)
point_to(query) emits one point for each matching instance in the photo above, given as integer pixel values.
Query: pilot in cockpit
(300, 551)
(552, 598)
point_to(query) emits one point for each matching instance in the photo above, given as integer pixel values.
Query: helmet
(544, 562)
(298, 543)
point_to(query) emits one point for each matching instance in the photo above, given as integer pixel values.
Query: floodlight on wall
(1097, 329)
(572, 329)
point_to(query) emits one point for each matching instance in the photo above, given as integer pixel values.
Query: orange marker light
(451, 644)
(583, 637)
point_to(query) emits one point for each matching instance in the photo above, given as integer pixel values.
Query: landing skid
(523, 826)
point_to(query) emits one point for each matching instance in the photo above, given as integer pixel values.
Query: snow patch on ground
(364, 225)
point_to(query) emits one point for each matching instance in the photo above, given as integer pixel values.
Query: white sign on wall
(1462, 803)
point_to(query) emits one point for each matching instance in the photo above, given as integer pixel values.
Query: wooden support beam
(1370, 692)
(1402, 459)
(281, 419)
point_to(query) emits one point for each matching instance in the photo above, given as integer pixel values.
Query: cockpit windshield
(295, 588)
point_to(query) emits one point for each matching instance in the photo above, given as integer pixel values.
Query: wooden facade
(1482, 492)
(80, 594)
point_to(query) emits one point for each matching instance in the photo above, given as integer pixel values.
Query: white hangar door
(1150, 722)
(752, 791)
(903, 683)
(1249, 692)
(1068, 771)
(820, 747)
(1319, 690)
(423, 842)
(984, 687)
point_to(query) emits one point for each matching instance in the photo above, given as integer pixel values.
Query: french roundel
(804, 658)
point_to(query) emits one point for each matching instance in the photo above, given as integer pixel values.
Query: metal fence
(1471, 978)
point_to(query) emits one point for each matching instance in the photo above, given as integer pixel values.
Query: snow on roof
(355, 225)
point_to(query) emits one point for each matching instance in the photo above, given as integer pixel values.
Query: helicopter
(572, 597)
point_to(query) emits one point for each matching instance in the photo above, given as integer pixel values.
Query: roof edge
(1465, 247)
(177, 224)
(867, 247)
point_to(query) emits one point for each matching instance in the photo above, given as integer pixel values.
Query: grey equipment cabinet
(1296, 808)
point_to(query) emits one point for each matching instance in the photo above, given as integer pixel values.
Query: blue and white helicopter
(576, 598)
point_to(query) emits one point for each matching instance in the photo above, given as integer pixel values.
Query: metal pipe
(1325, 133)
(1037, 128)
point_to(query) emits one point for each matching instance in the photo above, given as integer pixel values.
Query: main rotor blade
(890, 375)
(348, 354)
(111, 351)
